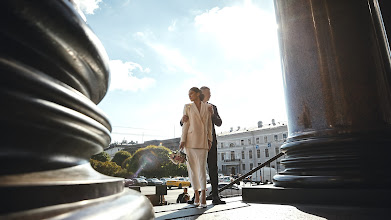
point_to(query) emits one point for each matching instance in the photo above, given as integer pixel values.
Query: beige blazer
(198, 130)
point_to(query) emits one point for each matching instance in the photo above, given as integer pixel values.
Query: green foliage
(153, 161)
(120, 157)
(109, 168)
(102, 156)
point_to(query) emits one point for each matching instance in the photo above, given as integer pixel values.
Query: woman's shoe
(203, 205)
(196, 204)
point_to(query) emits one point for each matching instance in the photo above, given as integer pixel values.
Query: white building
(113, 150)
(241, 150)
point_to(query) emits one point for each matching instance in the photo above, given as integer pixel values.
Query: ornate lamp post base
(54, 72)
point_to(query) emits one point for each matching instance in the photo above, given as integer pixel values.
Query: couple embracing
(199, 143)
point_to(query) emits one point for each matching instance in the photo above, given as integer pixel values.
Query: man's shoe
(190, 202)
(218, 201)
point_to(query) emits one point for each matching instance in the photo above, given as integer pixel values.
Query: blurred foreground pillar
(336, 67)
(54, 71)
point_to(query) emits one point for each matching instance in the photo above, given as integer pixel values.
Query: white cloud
(172, 27)
(122, 76)
(244, 31)
(173, 58)
(88, 6)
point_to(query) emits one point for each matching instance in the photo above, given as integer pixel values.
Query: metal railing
(251, 172)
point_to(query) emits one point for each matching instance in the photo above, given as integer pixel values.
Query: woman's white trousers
(196, 167)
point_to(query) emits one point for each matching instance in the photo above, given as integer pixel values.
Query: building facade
(240, 151)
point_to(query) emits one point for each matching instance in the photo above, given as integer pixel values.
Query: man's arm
(216, 120)
(184, 119)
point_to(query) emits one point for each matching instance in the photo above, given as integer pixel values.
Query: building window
(251, 166)
(277, 150)
(231, 145)
(241, 142)
(265, 139)
(222, 145)
(250, 154)
(249, 141)
(258, 153)
(242, 154)
(232, 155)
(284, 136)
(266, 152)
(243, 166)
(222, 156)
(275, 137)
(257, 140)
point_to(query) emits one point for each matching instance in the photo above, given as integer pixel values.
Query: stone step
(347, 196)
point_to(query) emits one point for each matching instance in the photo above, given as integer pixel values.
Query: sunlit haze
(158, 50)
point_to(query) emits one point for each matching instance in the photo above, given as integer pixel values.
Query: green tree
(109, 168)
(153, 161)
(102, 156)
(120, 157)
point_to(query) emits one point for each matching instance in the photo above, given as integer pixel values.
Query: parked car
(177, 182)
(128, 182)
(264, 175)
(140, 182)
(247, 179)
(226, 179)
(154, 182)
(234, 190)
(164, 179)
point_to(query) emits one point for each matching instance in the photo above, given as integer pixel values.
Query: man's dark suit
(212, 154)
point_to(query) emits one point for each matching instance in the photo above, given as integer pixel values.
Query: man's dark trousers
(212, 166)
(212, 158)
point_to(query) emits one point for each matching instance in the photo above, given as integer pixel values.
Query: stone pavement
(237, 209)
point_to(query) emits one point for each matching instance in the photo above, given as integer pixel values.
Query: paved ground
(237, 209)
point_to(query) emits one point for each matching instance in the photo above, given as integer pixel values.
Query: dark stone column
(54, 71)
(336, 70)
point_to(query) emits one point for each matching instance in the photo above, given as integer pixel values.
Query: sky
(159, 49)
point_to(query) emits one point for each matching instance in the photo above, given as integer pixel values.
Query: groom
(212, 155)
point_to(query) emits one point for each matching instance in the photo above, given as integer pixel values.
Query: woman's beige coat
(198, 130)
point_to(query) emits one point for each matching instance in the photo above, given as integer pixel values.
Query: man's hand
(182, 145)
(209, 144)
(210, 109)
(185, 118)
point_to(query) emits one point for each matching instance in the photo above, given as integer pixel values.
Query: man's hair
(204, 87)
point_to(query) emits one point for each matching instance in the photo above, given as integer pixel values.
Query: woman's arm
(185, 128)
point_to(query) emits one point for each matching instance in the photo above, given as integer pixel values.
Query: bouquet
(177, 157)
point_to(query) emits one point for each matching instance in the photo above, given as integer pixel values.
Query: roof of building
(244, 130)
